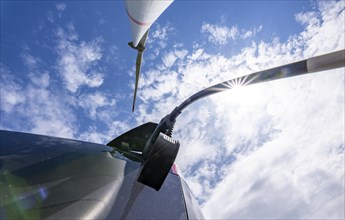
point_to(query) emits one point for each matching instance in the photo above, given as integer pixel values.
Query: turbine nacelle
(142, 14)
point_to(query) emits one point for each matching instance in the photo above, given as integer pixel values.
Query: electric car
(54, 178)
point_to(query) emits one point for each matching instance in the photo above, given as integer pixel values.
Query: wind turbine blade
(140, 48)
(143, 39)
(137, 75)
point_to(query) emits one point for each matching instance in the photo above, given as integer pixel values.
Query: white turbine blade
(142, 13)
(138, 67)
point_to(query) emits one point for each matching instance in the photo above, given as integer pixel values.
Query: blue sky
(273, 150)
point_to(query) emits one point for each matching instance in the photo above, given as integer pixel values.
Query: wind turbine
(142, 14)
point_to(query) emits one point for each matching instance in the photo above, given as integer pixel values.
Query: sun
(238, 92)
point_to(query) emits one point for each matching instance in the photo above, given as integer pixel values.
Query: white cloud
(50, 16)
(48, 117)
(29, 60)
(101, 21)
(37, 101)
(161, 33)
(60, 6)
(157, 39)
(36, 109)
(274, 150)
(328, 22)
(10, 91)
(221, 34)
(38, 76)
(299, 166)
(250, 33)
(169, 59)
(94, 102)
(77, 62)
(42, 80)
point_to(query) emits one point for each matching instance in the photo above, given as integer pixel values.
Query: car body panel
(54, 178)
